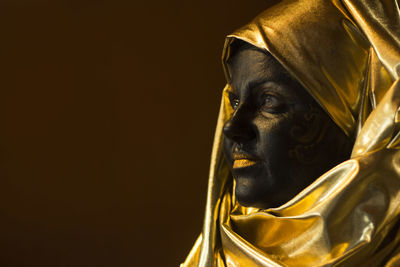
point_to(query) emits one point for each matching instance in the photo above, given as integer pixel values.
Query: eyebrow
(256, 83)
(251, 84)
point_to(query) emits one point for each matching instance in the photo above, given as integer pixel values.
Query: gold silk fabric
(346, 54)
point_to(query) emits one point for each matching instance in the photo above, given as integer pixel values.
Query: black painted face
(279, 140)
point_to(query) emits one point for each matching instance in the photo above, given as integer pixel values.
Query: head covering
(346, 54)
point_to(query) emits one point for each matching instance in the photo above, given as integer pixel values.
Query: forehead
(251, 64)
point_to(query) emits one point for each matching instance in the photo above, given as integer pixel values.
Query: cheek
(274, 140)
(228, 151)
(308, 133)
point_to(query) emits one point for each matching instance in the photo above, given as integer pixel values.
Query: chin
(251, 192)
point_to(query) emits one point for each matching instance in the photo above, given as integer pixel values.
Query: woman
(345, 55)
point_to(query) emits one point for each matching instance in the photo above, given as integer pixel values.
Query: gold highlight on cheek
(241, 163)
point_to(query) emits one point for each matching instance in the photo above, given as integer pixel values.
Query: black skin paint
(278, 126)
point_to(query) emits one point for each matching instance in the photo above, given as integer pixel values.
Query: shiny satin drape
(346, 54)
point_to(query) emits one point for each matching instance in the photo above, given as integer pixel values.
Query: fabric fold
(347, 55)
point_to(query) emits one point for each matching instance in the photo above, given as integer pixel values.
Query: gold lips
(243, 160)
(241, 163)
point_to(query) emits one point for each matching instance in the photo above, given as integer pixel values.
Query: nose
(239, 128)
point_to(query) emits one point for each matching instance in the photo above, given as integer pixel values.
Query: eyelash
(275, 105)
(269, 97)
(273, 108)
(235, 103)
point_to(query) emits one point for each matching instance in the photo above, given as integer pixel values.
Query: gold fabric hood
(346, 54)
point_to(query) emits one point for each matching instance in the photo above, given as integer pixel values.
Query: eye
(272, 103)
(234, 101)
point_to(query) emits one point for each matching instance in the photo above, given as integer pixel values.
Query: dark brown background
(107, 112)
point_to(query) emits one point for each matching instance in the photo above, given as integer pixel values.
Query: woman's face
(278, 140)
